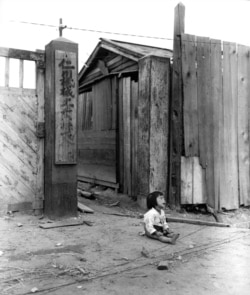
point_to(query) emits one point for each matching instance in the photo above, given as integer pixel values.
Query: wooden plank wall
(216, 89)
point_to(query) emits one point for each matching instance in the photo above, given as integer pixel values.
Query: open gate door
(21, 130)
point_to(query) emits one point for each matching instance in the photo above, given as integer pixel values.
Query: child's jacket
(152, 218)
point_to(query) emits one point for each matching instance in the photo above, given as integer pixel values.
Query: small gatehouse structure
(123, 101)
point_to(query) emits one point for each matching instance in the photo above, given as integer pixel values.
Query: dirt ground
(111, 256)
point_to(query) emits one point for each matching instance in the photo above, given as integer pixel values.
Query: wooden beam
(197, 222)
(120, 138)
(144, 126)
(22, 54)
(134, 137)
(159, 123)
(127, 134)
(39, 196)
(153, 124)
(61, 223)
(176, 129)
(125, 53)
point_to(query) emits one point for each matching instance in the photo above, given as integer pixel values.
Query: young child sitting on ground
(155, 223)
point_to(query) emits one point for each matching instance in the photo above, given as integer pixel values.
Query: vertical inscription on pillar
(65, 107)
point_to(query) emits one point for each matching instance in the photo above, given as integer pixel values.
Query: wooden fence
(216, 90)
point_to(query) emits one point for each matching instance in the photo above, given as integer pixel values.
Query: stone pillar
(61, 99)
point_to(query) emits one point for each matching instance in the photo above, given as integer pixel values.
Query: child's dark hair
(151, 199)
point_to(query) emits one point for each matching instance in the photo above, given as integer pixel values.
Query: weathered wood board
(159, 123)
(243, 123)
(229, 174)
(199, 189)
(134, 137)
(186, 180)
(39, 197)
(205, 114)
(62, 223)
(190, 105)
(126, 97)
(203, 77)
(120, 135)
(176, 136)
(217, 100)
(144, 125)
(153, 124)
(65, 107)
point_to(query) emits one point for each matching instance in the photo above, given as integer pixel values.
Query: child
(155, 223)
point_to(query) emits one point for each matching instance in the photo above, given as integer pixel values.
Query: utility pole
(61, 27)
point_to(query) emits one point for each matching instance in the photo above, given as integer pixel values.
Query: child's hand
(168, 231)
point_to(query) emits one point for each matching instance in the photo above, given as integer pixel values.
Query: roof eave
(113, 47)
(89, 60)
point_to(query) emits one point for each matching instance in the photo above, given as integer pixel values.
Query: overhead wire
(121, 34)
(95, 31)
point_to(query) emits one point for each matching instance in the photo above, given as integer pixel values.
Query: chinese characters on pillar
(66, 107)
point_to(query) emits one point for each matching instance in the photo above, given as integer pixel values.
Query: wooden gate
(21, 131)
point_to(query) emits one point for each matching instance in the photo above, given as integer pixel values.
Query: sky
(226, 20)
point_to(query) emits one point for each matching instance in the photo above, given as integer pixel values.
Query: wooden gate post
(61, 97)
(153, 125)
(176, 127)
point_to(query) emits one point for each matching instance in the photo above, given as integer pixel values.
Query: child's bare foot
(174, 238)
